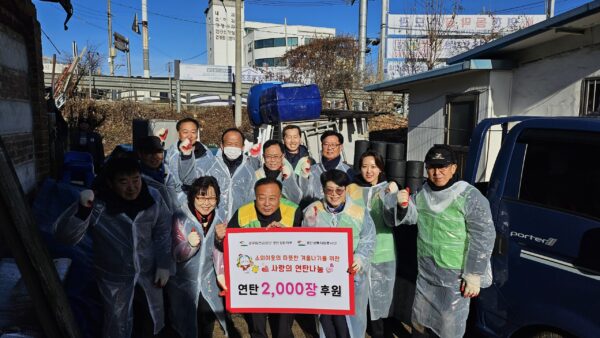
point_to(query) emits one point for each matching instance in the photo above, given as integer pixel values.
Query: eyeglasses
(331, 145)
(206, 200)
(273, 157)
(337, 191)
(440, 169)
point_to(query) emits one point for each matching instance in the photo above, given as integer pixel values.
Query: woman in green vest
(454, 244)
(343, 208)
(379, 197)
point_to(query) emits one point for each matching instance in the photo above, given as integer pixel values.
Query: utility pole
(178, 85)
(238, 63)
(362, 39)
(382, 40)
(549, 9)
(111, 56)
(145, 39)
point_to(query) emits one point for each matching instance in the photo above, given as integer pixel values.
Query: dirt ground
(242, 328)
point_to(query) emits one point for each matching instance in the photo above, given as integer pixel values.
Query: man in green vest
(454, 244)
(269, 210)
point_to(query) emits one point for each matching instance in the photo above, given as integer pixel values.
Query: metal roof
(401, 84)
(558, 21)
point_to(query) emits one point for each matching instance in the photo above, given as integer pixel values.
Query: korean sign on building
(402, 24)
(408, 43)
(297, 270)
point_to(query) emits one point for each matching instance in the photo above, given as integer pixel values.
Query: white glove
(255, 150)
(357, 266)
(162, 134)
(186, 147)
(285, 172)
(470, 285)
(161, 277)
(193, 238)
(403, 197)
(221, 282)
(86, 198)
(392, 188)
(305, 165)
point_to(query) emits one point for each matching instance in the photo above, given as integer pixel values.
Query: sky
(177, 28)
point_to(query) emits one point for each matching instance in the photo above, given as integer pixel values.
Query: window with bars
(590, 102)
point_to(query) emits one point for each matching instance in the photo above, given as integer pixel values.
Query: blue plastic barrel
(254, 95)
(290, 103)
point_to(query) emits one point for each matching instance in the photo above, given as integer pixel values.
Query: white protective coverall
(456, 237)
(186, 171)
(168, 191)
(354, 215)
(382, 274)
(311, 186)
(290, 188)
(195, 275)
(126, 252)
(236, 189)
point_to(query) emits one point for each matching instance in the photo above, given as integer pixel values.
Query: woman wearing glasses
(341, 208)
(380, 200)
(193, 292)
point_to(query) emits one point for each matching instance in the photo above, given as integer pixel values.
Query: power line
(195, 56)
(158, 14)
(47, 37)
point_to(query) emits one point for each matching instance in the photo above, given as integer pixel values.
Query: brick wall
(23, 119)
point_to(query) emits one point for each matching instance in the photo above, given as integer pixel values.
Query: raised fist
(305, 165)
(285, 172)
(162, 134)
(402, 197)
(220, 230)
(255, 150)
(86, 198)
(186, 147)
(193, 238)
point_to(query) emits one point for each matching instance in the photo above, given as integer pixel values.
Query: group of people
(159, 220)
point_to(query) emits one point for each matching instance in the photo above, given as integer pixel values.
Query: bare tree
(90, 63)
(331, 63)
(425, 41)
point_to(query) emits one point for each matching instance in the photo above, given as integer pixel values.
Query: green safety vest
(384, 246)
(442, 235)
(248, 218)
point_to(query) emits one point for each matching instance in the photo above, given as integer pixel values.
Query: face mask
(232, 153)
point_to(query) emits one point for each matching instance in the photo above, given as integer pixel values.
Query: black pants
(382, 328)
(334, 326)
(281, 325)
(308, 324)
(143, 325)
(206, 318)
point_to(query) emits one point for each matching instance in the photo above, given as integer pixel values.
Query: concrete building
(220, 32)
(548, 69)
(266, 43)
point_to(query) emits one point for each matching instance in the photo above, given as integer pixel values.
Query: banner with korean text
(289, 270)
